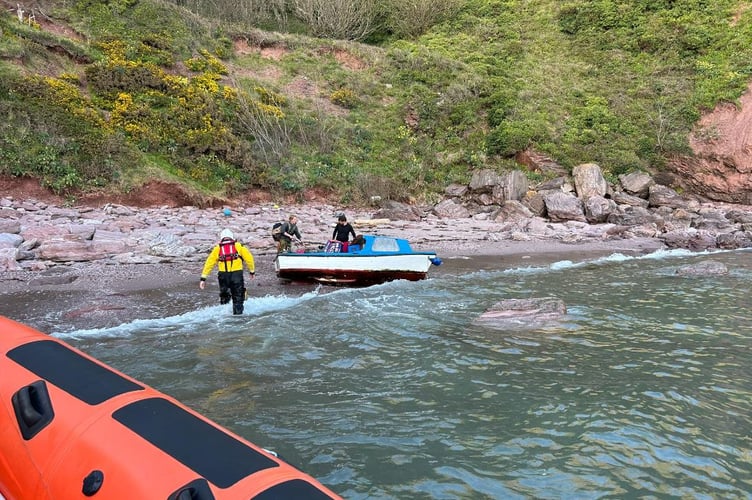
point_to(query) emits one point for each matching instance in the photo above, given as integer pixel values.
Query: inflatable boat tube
(73, 428)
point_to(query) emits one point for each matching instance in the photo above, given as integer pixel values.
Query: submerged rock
(526, 313)
(704, 268)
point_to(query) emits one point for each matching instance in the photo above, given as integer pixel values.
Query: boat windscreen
(382, 244)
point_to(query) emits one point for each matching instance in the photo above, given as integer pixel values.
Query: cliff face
(721, 168)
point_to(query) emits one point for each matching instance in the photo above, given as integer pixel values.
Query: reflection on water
(392, 391)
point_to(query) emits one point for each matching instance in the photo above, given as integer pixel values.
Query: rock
(44, 232)
(54, 280)
(450, 209)
(398, 211)
(10, 240)
(589, 181)
(57, 213)
(665, 196)
(630, 216)
(598, 208)
(636, 183)
(8, 259)
(692, 240)
(704, 268)
(10, 226)
(485, 180)
(538, 162)
(513, 186)
(561, 207)
(557, 184)
(456, 190)
(79, 251)
(7, 213)
(530, 312)
(512, 210)
(83, 231)
(736, 216)
(737, 239)
(627, 199)
(169, 245)
(535, 203)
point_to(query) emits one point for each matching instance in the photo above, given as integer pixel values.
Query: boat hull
(71, 427)
(353, 269)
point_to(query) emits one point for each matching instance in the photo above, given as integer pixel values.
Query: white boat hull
(353, 268)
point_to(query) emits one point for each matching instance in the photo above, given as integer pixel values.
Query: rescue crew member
(229, 255)
(289, 231)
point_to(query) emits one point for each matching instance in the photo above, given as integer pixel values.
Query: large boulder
(627, 215)
(512, 210)
(622, 198)
(451, 210)
(513, 186)
(589, 181)
(556, 184)
(562, 207)
(664, 196)
(636, 184)
(169, 245)
(485, 180)
(79, 250)
(598, 208)
(395, 210)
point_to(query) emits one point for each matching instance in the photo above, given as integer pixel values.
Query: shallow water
(393, 391)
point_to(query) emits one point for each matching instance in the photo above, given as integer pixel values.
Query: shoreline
(93, 295)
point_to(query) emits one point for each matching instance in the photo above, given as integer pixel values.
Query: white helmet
(226, 233)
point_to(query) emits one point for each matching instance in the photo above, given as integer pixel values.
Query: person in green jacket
(289, 231)
(229, 255)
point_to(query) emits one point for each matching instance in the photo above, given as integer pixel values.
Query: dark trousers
(232, 286)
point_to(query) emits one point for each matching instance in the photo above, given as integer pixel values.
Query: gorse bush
(344, 97)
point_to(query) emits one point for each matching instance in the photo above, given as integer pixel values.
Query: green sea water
(643, 390)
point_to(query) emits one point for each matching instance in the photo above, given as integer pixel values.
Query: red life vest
(227, 250)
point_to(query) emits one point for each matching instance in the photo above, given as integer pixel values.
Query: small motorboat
(377, 259)
(71, 427)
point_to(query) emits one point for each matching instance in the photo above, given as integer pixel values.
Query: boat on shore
(377, 260)
(71, 427)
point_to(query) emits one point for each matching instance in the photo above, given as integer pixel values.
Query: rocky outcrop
(636, 206)
(721, 167)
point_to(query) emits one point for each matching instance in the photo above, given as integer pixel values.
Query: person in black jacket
(342, 232)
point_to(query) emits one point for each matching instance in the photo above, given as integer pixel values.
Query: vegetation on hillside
(373, 97)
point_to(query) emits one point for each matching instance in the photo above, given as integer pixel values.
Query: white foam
(193, 320)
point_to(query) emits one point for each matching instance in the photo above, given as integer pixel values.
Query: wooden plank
(370, 222)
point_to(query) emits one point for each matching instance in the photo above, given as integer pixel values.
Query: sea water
(644, 388)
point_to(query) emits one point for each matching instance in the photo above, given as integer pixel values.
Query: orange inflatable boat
(73, 428)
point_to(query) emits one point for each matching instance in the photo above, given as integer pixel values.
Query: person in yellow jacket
(229, 255)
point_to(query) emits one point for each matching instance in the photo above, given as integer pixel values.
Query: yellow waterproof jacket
(233, 265)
